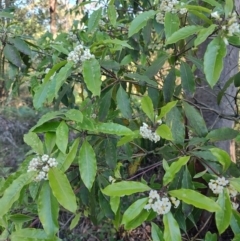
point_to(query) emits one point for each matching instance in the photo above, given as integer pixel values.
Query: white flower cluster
(147, 133)
(80, 54)
(72, 37)
(160, 205)
(217, 185)
(169, 6)
(41, 165)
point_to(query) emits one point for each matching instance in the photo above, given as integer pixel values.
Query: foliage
(121, 125)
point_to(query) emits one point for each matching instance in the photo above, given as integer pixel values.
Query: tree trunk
(206, 98)
(52, 9)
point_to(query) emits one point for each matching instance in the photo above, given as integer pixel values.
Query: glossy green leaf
(112, 14)
(60, 48)
(50, 141)
(125, 188)
(195, 120)
(87, 164)
(174, 169)
(33, 140)
(117, 42)
(92, 76)
(48, 210)
(74, 115)
(222, 157)
(142, 79)
(222, 134)
(31, 234)
(236, 237)
(167, 108)
(105, 104)
(140, 21)
(228, 7)
(62, 189)
(198, 8)
(123, 103)
(12, 55)
(114, 203)
(183, 33)
(134, 223)
(223, 216)
(111, 152)
(134, 210)
(171, 24)
(156, 232)
(171, 228)
(75, 221)
(235, 222)
(187, 79)
(164, 132)
(169, 85)
(70, 156)
(114, 129)
(62, 136)
(59, 79)
(235, 182)
(20, 45)
(213, 3)
(210, 237)
(174, 120)
(147, 107)
(196, 199)
(213, 57)
(204, 34)
(94, 20)
(12, 193)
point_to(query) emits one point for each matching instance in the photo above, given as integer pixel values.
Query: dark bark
(53, 15)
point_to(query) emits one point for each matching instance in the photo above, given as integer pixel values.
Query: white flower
(147, 133)
(232, 191)
(111, 179)
(225, 41)
(52, 162)
(217, 185)
(45, 158)
(175, 202)
(215, 15)
(235, 205)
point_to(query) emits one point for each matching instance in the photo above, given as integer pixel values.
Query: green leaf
(165, 132)
(92, 76)
(94, 20)
(198, 8)
(171, 24)
(213, 3)
(169, 85)
(213, 57)
(114, 203)
(20, 218)
(112, 14)
(156, 232)
(141, 79)
(74, 115)
(117, 42)
(236, 237)
(187, 79)
(12, 55)
(222, 157)
(62, 136)
(140, 21)
(123, 103)
(60, 48)
(156, 65)
(111, 152)
(183, 33)
(31, 234)
(204, 34)
(114, 129)
(222, 134)
(196, 199)
(174, 120)
(223, 216)
(235, 222)
(134, 210)
(62, 190)
(50, 141)
(228, 8)
(75, 221)
(20, 45)
(60, 78)
(33, 140)
(174, 169)
(105, 104)
(70, 156)
(12, 193)
(235, 182)
(48, 210)
(147, 107)
(125, 188)
(167, 108)
(171, 228)
(210, 237)
(195, 120)
(87, 164)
